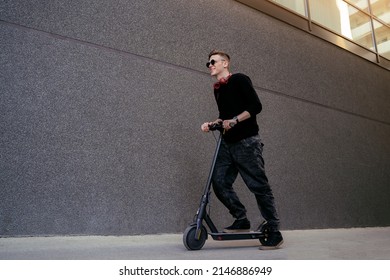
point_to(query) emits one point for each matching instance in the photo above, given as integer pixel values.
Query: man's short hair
(221, 53)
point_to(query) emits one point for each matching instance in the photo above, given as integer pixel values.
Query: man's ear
(225, 64)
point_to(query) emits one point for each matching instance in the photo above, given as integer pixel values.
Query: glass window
(382, 36)
(356, 21)
(343, 19)
(295, 5)
(361, 4)
(326, 13)
(361, 30)
(381, 9)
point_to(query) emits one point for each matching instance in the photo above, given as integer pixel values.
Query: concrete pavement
(324, 244)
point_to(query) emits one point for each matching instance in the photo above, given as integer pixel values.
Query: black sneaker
(263, 228)
(271, 240)
(238, 226)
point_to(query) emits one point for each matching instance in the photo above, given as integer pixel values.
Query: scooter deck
(220, 236)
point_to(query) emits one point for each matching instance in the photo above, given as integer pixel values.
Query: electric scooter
(195, 235)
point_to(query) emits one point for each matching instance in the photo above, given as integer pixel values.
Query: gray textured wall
(101, 104)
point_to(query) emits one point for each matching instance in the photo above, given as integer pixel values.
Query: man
(241, 149)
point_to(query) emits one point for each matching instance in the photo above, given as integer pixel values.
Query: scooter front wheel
(189, 239)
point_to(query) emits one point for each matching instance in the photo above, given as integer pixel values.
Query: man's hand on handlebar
(218, 124)
(206, 126)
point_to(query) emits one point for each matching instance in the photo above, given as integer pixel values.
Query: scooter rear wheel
(189, 240)
(265, 234)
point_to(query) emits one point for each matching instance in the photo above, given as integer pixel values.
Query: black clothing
(233, 98)
(244, 158)
(241, 151)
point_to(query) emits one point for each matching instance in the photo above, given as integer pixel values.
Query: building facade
(101, 105)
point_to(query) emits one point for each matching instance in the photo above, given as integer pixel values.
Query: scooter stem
(208, 184)
(206, 192)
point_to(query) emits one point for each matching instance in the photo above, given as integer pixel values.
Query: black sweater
(233, 98)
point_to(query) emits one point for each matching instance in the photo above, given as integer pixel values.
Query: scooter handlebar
(216, 126)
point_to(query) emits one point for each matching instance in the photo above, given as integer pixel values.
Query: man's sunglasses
(212, 62)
